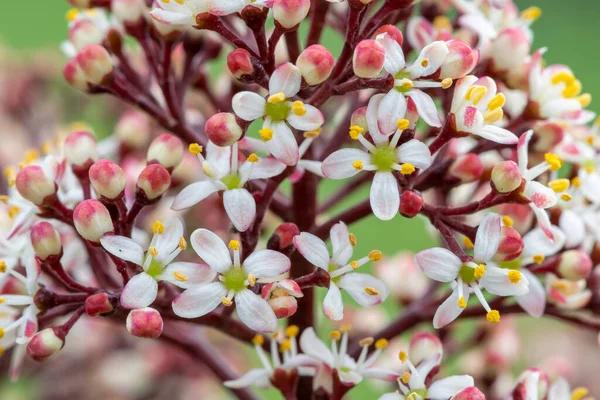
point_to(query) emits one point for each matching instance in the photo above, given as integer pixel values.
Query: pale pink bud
(92, 220)
(98, 304)
(167, 150)
(315, 64)
(239, 63)
(223, 130)
(423, 346)
(154, 180)
(145, 323)
(80, 150)
(289, 13)
(128, 11)
(506, 176)
(392, 31)
(95, 63)
(460, 60)
(409, 281)
(470, 393)
(85, 32)
(547, 135)
(510, 49)
(467, 168)
(410, 203)
(45, 344)
(368, 59)
(281, 296)
(359, 118)
(107, 179)
(45, 240)
(575, 265)
(133, 129)
(74, 75)
(34, 185)
(283, 236)
(511, 244)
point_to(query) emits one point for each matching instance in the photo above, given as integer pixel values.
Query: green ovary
(513, 264)
(467, 274)
(422, 393)
(232, 181)
(384, 158)
(278, 111)
(155, 269)
(234, 279)
(332, 268)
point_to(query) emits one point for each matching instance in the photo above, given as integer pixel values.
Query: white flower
(383, 157)
(566, 294)
(157, 263)
(472, 276)
(184, 12)
(85, 27)
(561, 390)
(364, 288)
(278, 111)
(234, 279)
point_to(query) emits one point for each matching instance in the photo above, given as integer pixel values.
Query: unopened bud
(74, 75)
(145, 323)
(529, 385)
(95, 63)
(107, 179)
(80, 150)
(467, 168)
(223, 130)
(98, 304)
(239, 63)
(281, 296)
(410, 203)
(289, 13)
(469, 393)
(167, 150)
(423, 346)
(45, 240)
(92, 220)
(283, 236)
(45, 344)
(548, 134)
(315, 64)
(128, 11)
(460, 60)
(34, 185)
(392, 31)
(511, 244)
(368, 59)
(506, 176)
(85, 32)
(133, 130)
(510, 48)
(575, 265)
(359, 118)
(153, 181)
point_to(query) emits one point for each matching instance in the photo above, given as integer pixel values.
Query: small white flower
(184, 12)
(561, 390)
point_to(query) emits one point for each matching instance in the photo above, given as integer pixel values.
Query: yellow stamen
(46, 147)
(4, 198)
(497, 101)
(446, 83)
(345, 328)
(286, 345)
(468, 243)
(402, 124)
(407, 84)
(252, 158)
(514, 276)
(572, 90)
(13, 211)
(298, 108)
(585, 99)
(179, 276)
(292, 331)
(251, 280)
(425, 63)
(71, 14)
(352, 239)
(9, 172)
(531, 13)
(158, 228)
(493, 116)
(403, 356)
(566, 197)
(565, 77)
(234, 245)
(355, 131)
(479, 271)
(258, 340)
(441, 22)
(226, 302)
(1, 333)
(559, 185)
(579, 393)
(2, 300)
(554, 161)
(375, 255)
(371, 291)
(381, 344)
(276, 98)
(493, 316)
(358, 165)
(366, 342)
(312, 134)
(476, 93)
(590, 140)
(153, 251)
(576, 182)
(182, 243)
(407, 169)
(195, 149)
(335, 335)
(538, 258)
(266, 134)
(507, 221)
(3, 266)
(462, 302)
(355, 265)
(405, 378)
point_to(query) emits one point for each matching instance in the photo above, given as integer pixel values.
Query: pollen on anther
(446, 83)
(298, 108)
(2, 300)
(345, 328)
(358, 165)
(355, 131)
(407, 169)
(335, 335)
(553, 160)
(286, 345)
(1, 333)
(371, 291)
(468, 243)
(425, 63)
(514, 276)
(462, 302)
(3, 266)
(226, 302)
(366, 342)
(258, 340)
(251, 280)
(559, 185)
(182, 243)
(234, 245)
(158, 228)
(493, 316)
(266, 134)
(179, 276)
(403, 356)
(405, 378)
(312, 134)
(252, 158)
(375, 255)
(276, 98)
(479, 271)
(153, 251)
(292, 331)
(507, 221)
(538, 258)
(531, 13)
(352, 239)
(566, 197)
(402, 124)
(354, 264)
(381, 344)
(195, 149)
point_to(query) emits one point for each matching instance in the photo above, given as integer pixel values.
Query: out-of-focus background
(30, 35)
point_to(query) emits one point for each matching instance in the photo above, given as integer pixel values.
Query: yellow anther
(266, 134)
(1, 333)
(479, 271)
(3, 198)
(572, 90)
(514, 276)
(182, 243)
(276, 98)
(538, 258)
(407, 84)
(312, 134)
(335, 335)
(352, 239)
(402, 124)
(355, 265)
(381, 344)
(371, 291)
(590, 140)
(531, 13)
(375, 255)
(286, 345)
(153, 251)
(3, 266)
(576, 182)
(345, 328)
(30, 156)
(493, 316)
(554, 161)
(158, 228)
(441, 22)
(46, 147)
(355, 131)
(71, 14)
(226, 302)
(13, 211)
(497, 101)
(566, 197)
(446, 83)
(2, 300)
(425, 63)
(507, 221)
(476, 93)
(292, 331)
(251, 280)
(407, 169)
(565, 77)
(180, 277)
(358, 165)
(258, 340)
(366, 342)
(462, 302)
(403, 356)
(405, 378)
(9, 172)
(585, 99)
(579, 393)
(195, 149)
(559, 185)
(12, 182)
(234, 245)
(298, 108)
(493, 116)
(252, 158)
(1, 351)
(468, 243)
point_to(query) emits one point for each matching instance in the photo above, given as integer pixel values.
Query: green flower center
(512, 264)
(155, 269)
(412, 395)
(232, 181)
(384, 158)
(278, 111)
(467, 274)
(234, 279)
(332, 268)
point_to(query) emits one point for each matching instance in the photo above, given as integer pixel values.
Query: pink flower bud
(392, 31)
(283, 236)
(511, 244)
(547, 135)
(45, 240)
(128, 11)
(85, 32)
(223, 130)
(133, 130)
(510, 49)
(239, 63)
(45, 344)
(74, 75)
(154, 180)
(467, 168)
(359, 118)
(167, 150)
(281, 296)
(506, 176)
(368, 59)
(95, 63)
(460, 60)
(470, 393)
(315, 64)
(80, 150)
(410, 203)
(531, 379)
(425, 345)
(575, 265)
(145, 323)
(98, 304)
(107, 179)
(34, 185)
(92, 220)
(410, 283)
(289, 13)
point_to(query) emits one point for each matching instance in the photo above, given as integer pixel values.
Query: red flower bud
(506, 176)
(223, 130)
(410, 203)
(283, 236)
(133, 129)
(153, 181)
(74, 75)
(167, 150)
(467, 168)
(107, 179)
(575, 265)
(92, 220)
(315, 64)
(95, 63)
(45, 344)
(144, 323)
(34, 185)
(368, 59)
(281, 296)
(239, 63)
(391, 30)
(511, 245)
(45, 240)
(470, 393)
(510, 48)
(80, 150)
(98, 304)
(289, 13)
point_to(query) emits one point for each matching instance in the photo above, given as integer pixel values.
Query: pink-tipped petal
(255, 312)
(313, 249)
(139, 292)
(439, 264)
(199, 300)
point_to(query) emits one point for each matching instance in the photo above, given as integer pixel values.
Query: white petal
(266, 264)
(139, 292)
(537, 242)
(195, 274)
(17, 299)
(171, 18)
(248, 105)
(416, 153)
(449, 310)
(543, 220)
(266, 167)
(534, 301)
(435, 53)
(338, 165)
(540, 195)
(392, 396)
(255, 312)
(312, 346)
(559, 390)
(255, 376)
(573, 226)
(199, 300)
(385, 196)
(286, 79)
(496, 134)
(448, 387)
(219, 158)
(372, 119)
(522, 150)
(313, 249)
(333, 306)
(394, 56)
(211, 249)
(193, 194)
(496, 281)
(240, 207)
(283, 144)
(425, 107)
(354, 284)
(439, 264)
(487, 239)
(169, 239)
(340, 243)
(391, 109)
(225, 7)
(123, 247)
(313, 119)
